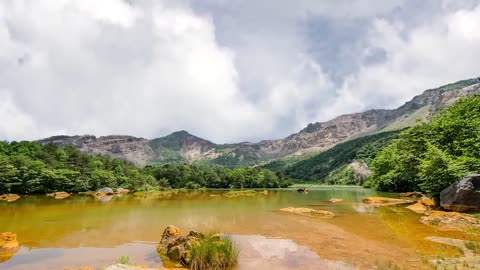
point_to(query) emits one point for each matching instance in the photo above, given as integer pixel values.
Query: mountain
(316, 137)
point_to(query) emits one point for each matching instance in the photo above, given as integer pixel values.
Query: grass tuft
(124, 260)
(213, 253)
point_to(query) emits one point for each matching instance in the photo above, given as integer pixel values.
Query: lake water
(84, 231)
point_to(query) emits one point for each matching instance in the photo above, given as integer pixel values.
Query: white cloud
(224, 70)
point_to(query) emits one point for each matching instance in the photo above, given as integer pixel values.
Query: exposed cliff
(183, 147)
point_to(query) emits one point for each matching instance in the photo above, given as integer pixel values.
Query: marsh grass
(238, 193)
(213, 253)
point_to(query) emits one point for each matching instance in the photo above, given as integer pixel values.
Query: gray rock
(463, 195)
(106, 190)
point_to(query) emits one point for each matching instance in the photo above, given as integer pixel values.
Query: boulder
(9, 197)
(426, 201)
(122, 191)
(8, 245)
(463, 195)
(176, 246)
(106, 191)
(304, 190)
(59, 195)
(384, 201)
(265, 192)
(450, 220)
(309, 212)
(335, 200)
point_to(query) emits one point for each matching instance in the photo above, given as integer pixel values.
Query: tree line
(29, 168)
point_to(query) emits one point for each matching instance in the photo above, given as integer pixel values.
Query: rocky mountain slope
(184, 147)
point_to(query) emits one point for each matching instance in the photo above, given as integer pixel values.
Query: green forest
(430, 156)
(28, 167)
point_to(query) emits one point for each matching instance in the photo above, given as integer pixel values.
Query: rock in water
(59, 195)
(335, 200)
(384, 201)
(122, 191)
(106, 190)
(450, 220)
(463, 195)
(8, 245)
(9, 197)
(309, 212)
(176, 246)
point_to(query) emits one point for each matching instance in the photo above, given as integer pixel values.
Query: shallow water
(83, 231)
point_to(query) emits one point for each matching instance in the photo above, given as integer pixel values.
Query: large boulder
(463, 195)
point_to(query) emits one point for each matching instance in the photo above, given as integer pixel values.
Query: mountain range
(182, 146)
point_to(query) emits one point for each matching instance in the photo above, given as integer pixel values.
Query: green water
(84, 231)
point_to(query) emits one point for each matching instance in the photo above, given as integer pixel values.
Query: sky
(224, 70)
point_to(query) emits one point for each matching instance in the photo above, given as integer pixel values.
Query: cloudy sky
(225, 70)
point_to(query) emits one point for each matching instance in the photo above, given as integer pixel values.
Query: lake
(84, 231)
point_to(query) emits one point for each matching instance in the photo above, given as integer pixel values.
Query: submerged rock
(8, 245)
(450, 220)
(413, 194)
(304, 190)
(384, 201)
(335, 200)
(463, 195)
(309, 212)
(59, 195)
(9, 197)
(418, 208)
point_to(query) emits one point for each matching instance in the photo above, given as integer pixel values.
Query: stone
(122, 191)
(170, 234)
(8, 245)
(305, 190)
(418, 208)
(265, 192)
(9, 197)
(177, 246)
(384, 201)
(463, 195)
(106, 190)
(309, 212)
(426, 201)
(335, 200)
(59, 195)
(450, 220)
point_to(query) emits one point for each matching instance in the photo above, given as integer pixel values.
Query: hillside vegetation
(27, 167)
(319, 167)
(430, 156)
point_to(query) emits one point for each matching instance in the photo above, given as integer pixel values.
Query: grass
(215, 252)
(124, 260)
(238, 193)
(473, 246)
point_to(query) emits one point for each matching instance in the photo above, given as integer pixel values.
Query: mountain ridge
(181, 146)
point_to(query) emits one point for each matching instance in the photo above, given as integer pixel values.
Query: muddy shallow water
(83, 231)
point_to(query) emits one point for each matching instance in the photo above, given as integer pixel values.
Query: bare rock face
(463, 195)
(177, 246)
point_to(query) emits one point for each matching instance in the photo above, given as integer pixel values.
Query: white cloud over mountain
(224, 70)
